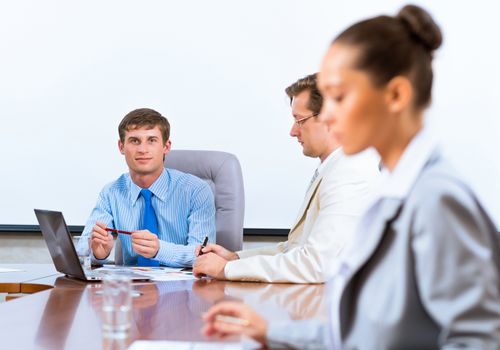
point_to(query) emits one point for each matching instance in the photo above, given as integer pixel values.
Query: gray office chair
(222, 171)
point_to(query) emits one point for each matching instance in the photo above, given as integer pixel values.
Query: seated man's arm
(100, 213)
(229, 255)
(201, 223)
(272, 250)
(341, 200)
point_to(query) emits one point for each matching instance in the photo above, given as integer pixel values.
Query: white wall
(70, 70)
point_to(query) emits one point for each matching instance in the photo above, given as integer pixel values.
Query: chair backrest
(222, 171)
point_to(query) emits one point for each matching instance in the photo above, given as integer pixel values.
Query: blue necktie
(150, 223)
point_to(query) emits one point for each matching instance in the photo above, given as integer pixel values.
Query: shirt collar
(159, 188)
(399, 183)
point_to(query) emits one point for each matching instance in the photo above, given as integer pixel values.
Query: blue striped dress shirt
(183, 204)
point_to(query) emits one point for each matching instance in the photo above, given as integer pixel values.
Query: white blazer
(325, 224)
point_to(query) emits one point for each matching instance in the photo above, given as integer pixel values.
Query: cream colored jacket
(325, 224)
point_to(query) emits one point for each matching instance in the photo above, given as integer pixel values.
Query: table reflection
(57, 318)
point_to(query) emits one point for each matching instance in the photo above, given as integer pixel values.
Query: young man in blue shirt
(167, 212)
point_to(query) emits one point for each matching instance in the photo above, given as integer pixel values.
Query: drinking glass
(83, 252)
(116, 305)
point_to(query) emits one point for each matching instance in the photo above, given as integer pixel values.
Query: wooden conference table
(69, 317)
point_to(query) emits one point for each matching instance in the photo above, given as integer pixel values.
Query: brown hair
(307, 83)
(144, 117)
(400, 45)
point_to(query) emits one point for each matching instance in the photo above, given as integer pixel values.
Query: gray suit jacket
(429, 277)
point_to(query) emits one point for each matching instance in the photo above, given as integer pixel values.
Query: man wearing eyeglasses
(334, 200)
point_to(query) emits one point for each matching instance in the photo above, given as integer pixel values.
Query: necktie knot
(146, 194)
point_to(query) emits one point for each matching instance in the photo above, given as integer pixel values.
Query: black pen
(203, 245)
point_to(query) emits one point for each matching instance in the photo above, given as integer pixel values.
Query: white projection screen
(70, 70)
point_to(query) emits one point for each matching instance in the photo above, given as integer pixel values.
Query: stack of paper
(161, 273)
(181, 345)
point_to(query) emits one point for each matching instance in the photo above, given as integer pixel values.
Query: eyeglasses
(301, 121)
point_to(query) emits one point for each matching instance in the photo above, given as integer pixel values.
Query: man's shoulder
(185, 181)
(120, 184)
(362, 166)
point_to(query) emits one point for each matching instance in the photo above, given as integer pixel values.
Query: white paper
(182, 345)
(4, 269)
(161, 273)
(166, 275)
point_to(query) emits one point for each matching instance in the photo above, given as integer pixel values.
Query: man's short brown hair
(144, 117)
(308, 83)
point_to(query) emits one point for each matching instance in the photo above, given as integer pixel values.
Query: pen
(203, 245)
(117, 231)
(233, 320)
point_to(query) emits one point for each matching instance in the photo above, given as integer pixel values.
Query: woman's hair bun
(422, 26)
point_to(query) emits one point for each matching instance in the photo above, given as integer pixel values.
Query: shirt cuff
(96, 261)
(163, 255)
(226, 270)
(242, 254)
(175, 255)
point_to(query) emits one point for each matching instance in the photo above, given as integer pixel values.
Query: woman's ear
(399, 94)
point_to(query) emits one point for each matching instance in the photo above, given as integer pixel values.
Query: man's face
(311, 133)
(144, 150)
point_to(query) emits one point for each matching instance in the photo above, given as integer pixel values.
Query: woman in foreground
(423, 269)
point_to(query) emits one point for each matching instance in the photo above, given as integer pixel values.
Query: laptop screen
(58, 239)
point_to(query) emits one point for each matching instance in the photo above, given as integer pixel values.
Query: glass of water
(83, 252)
(116, 306)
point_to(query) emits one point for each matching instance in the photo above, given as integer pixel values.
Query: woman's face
(355, 109)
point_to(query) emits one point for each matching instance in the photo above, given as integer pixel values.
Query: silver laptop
(63, 253)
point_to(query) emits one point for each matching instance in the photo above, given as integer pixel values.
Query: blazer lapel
(378, 218)
(387, 211)
(311, 192)
(307, 202)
